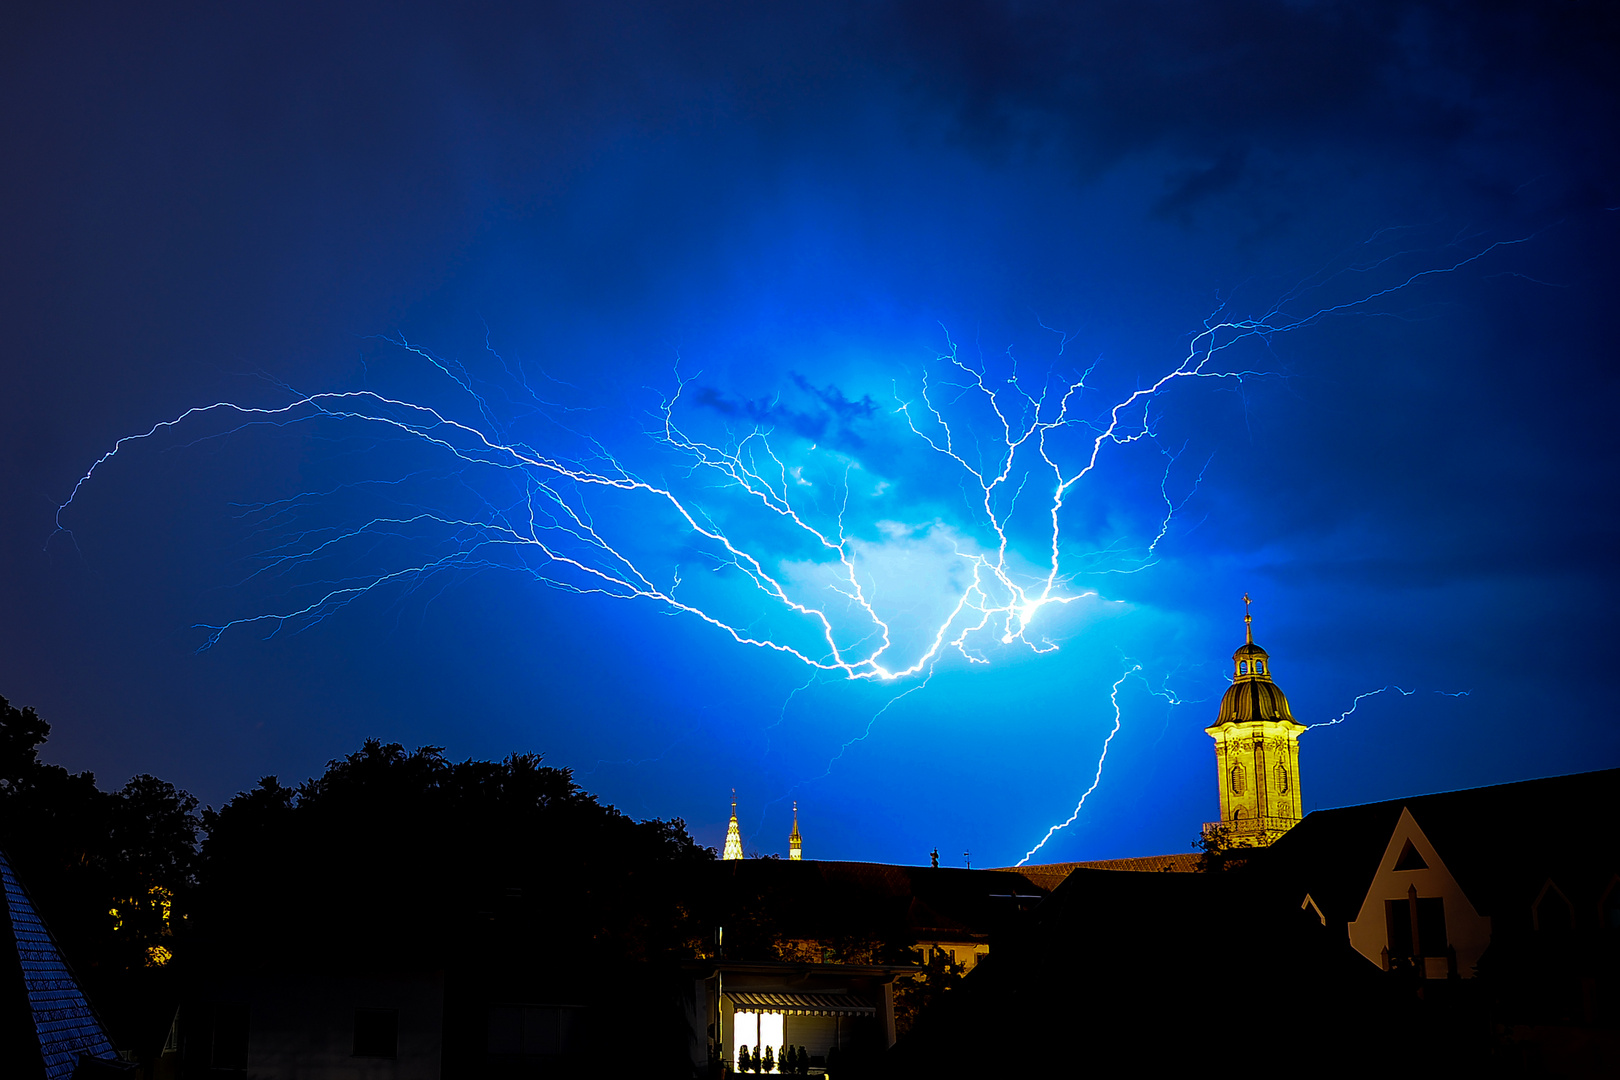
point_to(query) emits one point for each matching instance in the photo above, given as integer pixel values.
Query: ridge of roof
(1335, 852)
(64, 1023)
(1590, 776)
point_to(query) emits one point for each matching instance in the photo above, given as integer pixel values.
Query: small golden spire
(733, 849)
(795, 841)
(1248, 620)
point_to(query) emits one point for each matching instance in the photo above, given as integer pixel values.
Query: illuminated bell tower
(733, 834)
(795, 841)
(1256, 751)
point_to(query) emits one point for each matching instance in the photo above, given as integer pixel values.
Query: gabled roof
(59, 1023)
(1497, 841)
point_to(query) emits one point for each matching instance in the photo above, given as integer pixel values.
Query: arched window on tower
(1243, 667)
(1279, 779)
(1259, 667)
(1237, 779)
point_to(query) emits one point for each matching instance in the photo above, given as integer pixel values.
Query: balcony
(1251, 832)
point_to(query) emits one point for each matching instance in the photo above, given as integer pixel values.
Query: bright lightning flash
(800, 561)
(1113, 698)
(542, 522)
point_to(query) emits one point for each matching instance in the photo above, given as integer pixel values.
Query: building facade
(1256, 752)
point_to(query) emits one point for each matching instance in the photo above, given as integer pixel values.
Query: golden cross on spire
(1248, 620)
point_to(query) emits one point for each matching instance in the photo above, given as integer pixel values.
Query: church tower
(733, 834)
(1256, 751)
(795, 841)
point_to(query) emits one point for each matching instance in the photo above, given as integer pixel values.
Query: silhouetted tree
(111, 872)
(513, 843)
(1218, 852)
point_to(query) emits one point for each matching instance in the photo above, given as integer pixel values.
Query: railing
(1251, 826)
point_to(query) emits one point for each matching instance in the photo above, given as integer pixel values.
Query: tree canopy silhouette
(410, 859)
(111, 872)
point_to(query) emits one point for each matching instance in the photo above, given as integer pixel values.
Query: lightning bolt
(1354, 705)
(862, 737)
(546, 516)
(1113, 697)
(504, 496)
(1342, 717)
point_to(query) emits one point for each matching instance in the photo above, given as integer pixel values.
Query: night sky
(793, 215)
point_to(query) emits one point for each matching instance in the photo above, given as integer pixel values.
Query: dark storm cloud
(373, 145)
(1191, 186)
(1218, 81)
(825, 415)
(794, 200)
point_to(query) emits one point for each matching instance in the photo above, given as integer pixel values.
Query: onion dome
(1252, 695)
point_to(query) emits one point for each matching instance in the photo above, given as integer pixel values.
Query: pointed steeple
(795, 841)
(1250, 662)
(733, 834)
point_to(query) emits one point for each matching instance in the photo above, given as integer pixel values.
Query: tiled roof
(62, 1019)
(1049, 876)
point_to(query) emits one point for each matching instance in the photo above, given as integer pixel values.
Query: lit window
(1280, 777)
(1237, 779)
(753, 1029)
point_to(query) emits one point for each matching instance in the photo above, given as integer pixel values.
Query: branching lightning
(1113, 698)
(545, 525)
(760, 538)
